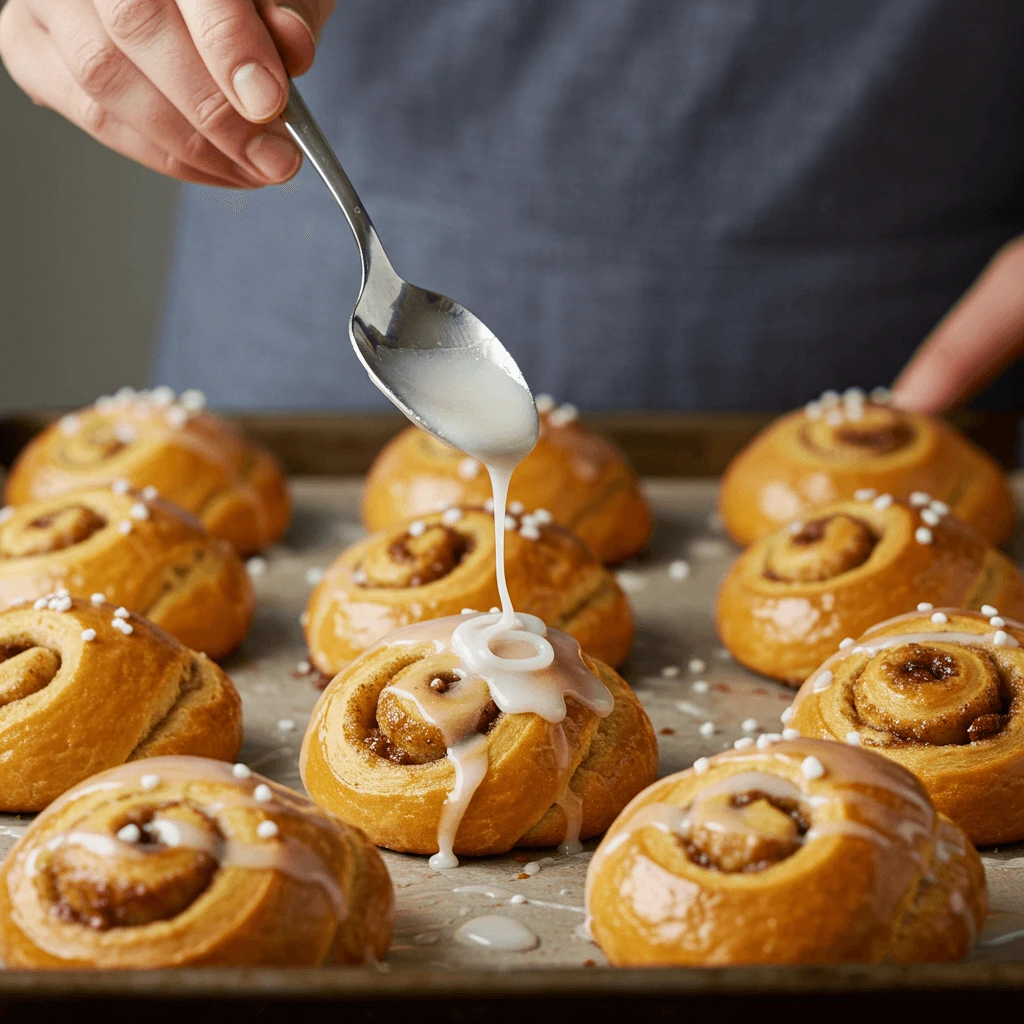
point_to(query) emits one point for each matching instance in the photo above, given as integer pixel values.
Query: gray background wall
(83, 253)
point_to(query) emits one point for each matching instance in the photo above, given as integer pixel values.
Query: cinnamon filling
(821, 550)
(52, 532)
(879, 440)
(414, 561)
(25, 669)
(102, 442)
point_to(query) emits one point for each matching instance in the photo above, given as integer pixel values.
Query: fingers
(977, 339)
(295, 26)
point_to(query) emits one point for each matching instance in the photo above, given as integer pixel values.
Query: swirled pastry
(440, 564)
(941, 693)
(792, 596)
(84, 687)
(182, 861)
(581, 479)
(837, 447)
(137, 551)
(798, 852)
(194, 459)
(431, 747)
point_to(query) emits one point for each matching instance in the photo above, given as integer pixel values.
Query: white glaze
(494, 931)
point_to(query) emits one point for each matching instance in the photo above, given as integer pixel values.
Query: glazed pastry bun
(576, 476)
(789, 853)
(940, 692)
(443, 563)
(793, 596)
(134, 550)
(149, 439)
(841, 445)
(84, 687)
(183, 861)
(394, 732)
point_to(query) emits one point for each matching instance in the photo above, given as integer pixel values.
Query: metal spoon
(431, 356)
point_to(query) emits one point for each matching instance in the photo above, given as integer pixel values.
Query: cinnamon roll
(436, 742)
(941, 692)
(183, 861)
(842, 446)
(85, 686)
(579, 478)
(134, 550)
(440, 564)
(792, 596)
(789, 853)
(150, 439)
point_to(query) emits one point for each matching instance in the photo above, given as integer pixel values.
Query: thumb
(977, 339)
(295, 26)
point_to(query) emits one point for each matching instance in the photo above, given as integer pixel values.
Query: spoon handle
(306, 132)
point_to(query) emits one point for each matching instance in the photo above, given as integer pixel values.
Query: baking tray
(674, 609)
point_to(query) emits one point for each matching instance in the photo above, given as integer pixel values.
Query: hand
(185, 87)
(977, 339)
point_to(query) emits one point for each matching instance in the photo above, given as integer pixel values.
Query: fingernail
(258, 91)
(305, 24)
(274, 155)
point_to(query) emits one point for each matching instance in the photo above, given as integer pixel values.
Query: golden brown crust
(803, 462)
(396, 794)
(946, 707)
(395, 578)
(792, 596)
(762, 859)
(581, 479)
(194, 459)
(200, 882)
(140, 552)
(78, 695)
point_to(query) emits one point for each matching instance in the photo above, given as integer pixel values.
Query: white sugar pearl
(743, 742)
(314, 575)
(881, 396)
(829, 397)
(286, 725)
(787, 715)
(997, 621)
(241, 771)
(987, 609)
(488, 504)
(304, 667)
(543, 516)
(515, 507)
(919, 499)
(925, 606)
(544, 403)
(266, 829)
(193, 400)
(121, 613)
(679, 570)
(263, 793)
(696, 665)
(5, 513)
(940, 508)
(70, 424)
(939, 618)
(139, 511)
(61, 604)
(124, 527)
(707, 729)
(813, 410)
(122, 626)
(88, 635)
(701, 765)
(823, 681)
(700, 686)
(846, 642)
(670, 672)
(766, 739)
(62, 592)
(162, 395)
(923, 535)
(929, 517)
(451, 516)
(564, 414)
(853, 738)
(98, 599)
(40, 604)
(177, 417)
(129, 834)
(417, 528)
(790, 734)
(149, 781)
(854, 395)
(865, 494)
(750, 725)
(256, 566)
(121, 486)
(150, 493)
(510, 523)
(1000, 639)
(795, 527)
(834, 418)
(468, 468)
(529, 532)
(883, 501)
(812, 768)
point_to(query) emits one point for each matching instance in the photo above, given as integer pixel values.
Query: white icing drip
(469, 758)
(572, 807)
(492, 892)
(494, 931)
(1001, 928)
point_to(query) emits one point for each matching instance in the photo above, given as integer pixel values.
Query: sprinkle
(750, 725)
(515, 507)
(529, 532)
(743, 742)
(823, 682)
(488, 504)
(263, 793)
(791, 734)
(544, 403)
(923, 535)
(468, 468)
(149, 781)
(834, 418)
(700, 686)
(854, 411)
(696, 665)
(812, 768)
(1000, 639)
(150, 493)
(631, 582)
(315, 574)
(193, 400)
(671, 671)
(286, 725)
(120, 486)
(701, 765)
(997, 621)
(853, 738)
(723, 654)
(930, 517)
(129, 834)
(883, 501)
(122, 626)
(919, 499)
(124, 527)
(987, 609)
(62, 592)
(88, 635)
(787, 716)
(98, 598)
(304, 667)
(846, 642)
(881, 396)
(417, 528)
(70, 424)
(451, 516)
(60, 604)
(121, 613)
(766, 739)
(139, 511)
(533, 868)
(939, 618)
(256, 566)
(241, 771)
(162, 395)
(855, 395)
(795, 527)
(510, 523)
(562, 415)
(679, 570)
(543, 516)
(829, 397)
(266, 829)
(940, 508)
(925, 606)
(707, 729)
(40, 604)
(813, 410)
(124, 433)
(865, 494)
(177, 417)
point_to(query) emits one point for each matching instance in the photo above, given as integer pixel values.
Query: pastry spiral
(440, 564)
(798, 852)
(582, 480)
(792, 596)
(84, 687)
(183, 861)
(194, 459)
(837, 447)
(410, 743)
(941, 693)
(137, 551)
